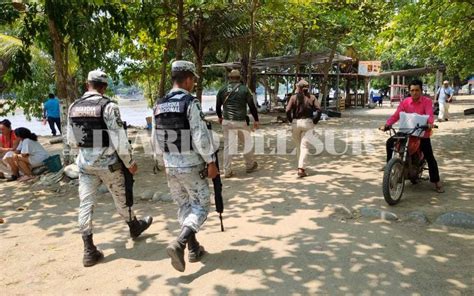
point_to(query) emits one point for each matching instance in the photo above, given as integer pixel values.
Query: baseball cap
(6, 123)
(98, 76)
(184, 66)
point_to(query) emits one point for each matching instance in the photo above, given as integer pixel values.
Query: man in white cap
(95, 127)
(186, 146)
(234, 97)
(444, 97)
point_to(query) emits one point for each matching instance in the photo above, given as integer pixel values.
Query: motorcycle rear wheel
(393, 181)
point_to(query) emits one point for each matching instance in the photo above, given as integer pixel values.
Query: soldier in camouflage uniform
(186, 146)
(95, 127)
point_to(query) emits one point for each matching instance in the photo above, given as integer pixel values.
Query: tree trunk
(300, 51)
(164, 63)
(179, 38)
(61, 85)
(253, 9)
(58, 44)
(199, 82)
(326, 69)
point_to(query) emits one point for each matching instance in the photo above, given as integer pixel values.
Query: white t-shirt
(37, 154)
(444, 93)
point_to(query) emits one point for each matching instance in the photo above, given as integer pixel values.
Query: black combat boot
(196, 251)
(176, 249)
(91, 254)
(138, 226)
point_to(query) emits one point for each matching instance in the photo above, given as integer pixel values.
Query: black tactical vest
(87, 120)
(172, 124)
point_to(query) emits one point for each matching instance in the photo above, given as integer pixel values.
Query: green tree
(430, 32)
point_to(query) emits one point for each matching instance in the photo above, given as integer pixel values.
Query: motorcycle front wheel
(393, 181)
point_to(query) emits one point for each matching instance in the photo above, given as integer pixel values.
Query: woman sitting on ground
(8, 145)
(31, 154)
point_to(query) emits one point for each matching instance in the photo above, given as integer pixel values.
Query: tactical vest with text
(172, 124)
(87, 120)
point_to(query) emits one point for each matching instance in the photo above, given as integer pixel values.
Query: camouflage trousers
(192, 195)
(89, 182)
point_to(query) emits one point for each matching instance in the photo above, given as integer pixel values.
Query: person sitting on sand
(30, 154)
(8, 144)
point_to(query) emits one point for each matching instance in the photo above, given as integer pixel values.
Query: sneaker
(253, 168)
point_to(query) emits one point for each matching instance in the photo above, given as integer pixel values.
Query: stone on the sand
(147, 195)
(339, 211)
(72, 171)
(56, 140)
(376, 213)
(456, 219)
(417, 217)
(159, 196)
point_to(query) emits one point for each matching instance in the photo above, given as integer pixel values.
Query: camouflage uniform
(94, 165)
(188, 190)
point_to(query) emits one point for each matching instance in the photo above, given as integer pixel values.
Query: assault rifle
(217, 186)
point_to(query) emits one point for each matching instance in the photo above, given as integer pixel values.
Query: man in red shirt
(8, 144)
(423, 106)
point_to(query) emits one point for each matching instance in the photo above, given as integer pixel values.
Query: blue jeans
(52, 121)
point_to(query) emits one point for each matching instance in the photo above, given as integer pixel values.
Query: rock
(158, 196)
(340, 211)
(166, 197)
(72, 171)
(102, 189)
(417, 217)
(56, 140)
(376, 213)
(456, 219)
(147, 195)
(343, 211)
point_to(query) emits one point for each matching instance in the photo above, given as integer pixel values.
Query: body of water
(133, 112)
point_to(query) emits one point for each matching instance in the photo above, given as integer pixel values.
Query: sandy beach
(282, 235)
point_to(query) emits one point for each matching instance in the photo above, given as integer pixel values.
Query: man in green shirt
(234, 97)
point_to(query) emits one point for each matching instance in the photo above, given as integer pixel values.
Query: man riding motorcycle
(422, 105)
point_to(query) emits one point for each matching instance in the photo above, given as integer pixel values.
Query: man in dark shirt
(234, 97)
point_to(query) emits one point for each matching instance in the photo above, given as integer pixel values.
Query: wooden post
(336, 91)
(366, 92)
(356, 91)
(392, 89)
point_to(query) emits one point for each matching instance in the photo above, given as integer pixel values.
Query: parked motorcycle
(407, 162)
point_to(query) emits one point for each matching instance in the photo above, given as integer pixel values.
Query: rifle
(217, 186)
(128, 183)
(128, 179)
